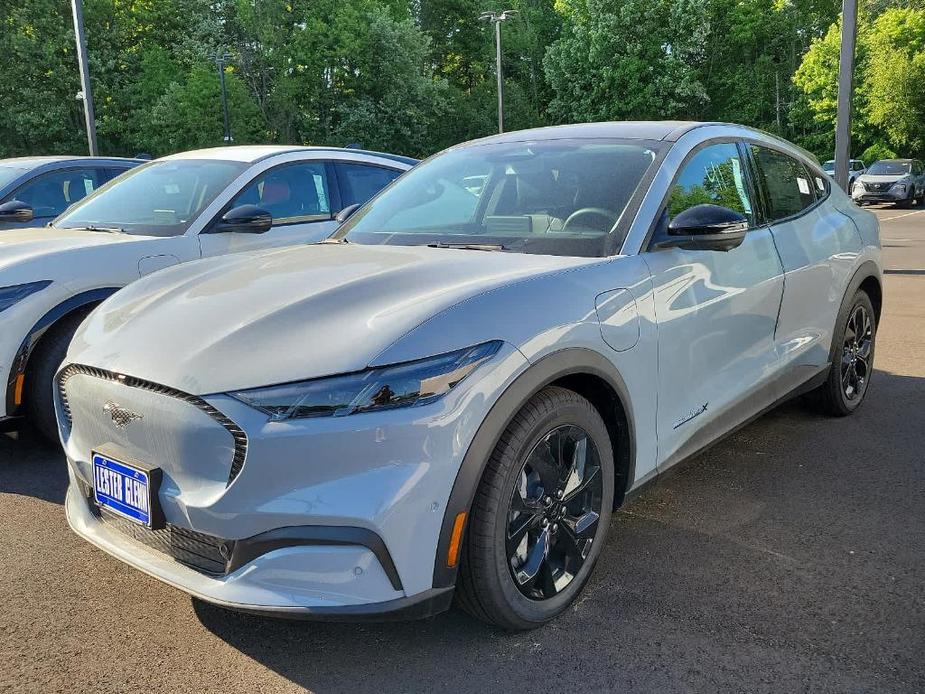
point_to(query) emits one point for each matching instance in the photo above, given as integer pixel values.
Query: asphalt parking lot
(790, 557)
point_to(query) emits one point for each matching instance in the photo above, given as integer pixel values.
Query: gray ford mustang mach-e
(455, 391)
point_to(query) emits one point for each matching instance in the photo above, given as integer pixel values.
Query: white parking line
(900, 216)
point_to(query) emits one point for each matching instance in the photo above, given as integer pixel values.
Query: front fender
(21, 359)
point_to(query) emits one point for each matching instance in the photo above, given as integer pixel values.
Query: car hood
(881, 178)
(19, 245)
(255, 319)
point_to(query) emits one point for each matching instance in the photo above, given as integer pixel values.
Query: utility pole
(86, 93)
(496, 18)
(849, 33)
(220, 62)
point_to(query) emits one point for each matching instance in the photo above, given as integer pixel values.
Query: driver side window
(292, 193)
(712, 176)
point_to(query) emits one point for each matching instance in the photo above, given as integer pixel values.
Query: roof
(32, 162)
(668, 130)
(250, 154)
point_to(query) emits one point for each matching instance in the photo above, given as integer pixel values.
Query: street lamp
(85, 94)
(496, 18)
(221, 60)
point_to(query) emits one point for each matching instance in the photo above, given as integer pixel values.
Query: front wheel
(40, 374)
(541, 513)
(852, 359)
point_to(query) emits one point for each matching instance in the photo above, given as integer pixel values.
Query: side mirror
(345, 213)
(244, 219)
(706, 228)
(16, 211)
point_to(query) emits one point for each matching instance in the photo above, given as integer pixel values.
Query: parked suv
(892, 180)
(456, 390)
(35, 190)
(166, 212)
(856, 168)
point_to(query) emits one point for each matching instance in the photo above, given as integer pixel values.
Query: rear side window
(360, 182)
(786, 182)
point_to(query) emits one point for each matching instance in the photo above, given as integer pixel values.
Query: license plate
(124, 489)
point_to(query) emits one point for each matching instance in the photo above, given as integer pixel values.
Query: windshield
(159, 199)
(557, 197)
(829, 167)
(890, 168)
(8, 174)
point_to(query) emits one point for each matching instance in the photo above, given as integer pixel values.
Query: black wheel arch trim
(21, 360)
(867, 270)
(553, 367)
(245, 551)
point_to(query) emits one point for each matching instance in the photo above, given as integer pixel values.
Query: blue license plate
(121, 488)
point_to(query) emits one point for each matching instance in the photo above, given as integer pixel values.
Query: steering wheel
(608, 216)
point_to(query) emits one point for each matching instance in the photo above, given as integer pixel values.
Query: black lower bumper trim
(247, 550)
(421, 606)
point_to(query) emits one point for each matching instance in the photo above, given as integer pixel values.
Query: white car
(456, 390)
(170, 211)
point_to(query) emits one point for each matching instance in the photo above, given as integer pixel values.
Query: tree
(636, 59)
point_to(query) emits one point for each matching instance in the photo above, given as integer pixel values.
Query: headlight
(900, 185)
(859, 185)
(13, 295)
(400, 385)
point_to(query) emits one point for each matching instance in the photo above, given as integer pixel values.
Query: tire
(842, 395)
(487, 586)
(908, 202)
(40, 374)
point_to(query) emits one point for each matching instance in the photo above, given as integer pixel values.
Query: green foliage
(877, 151)
(889, 99)
(636, 59)
(414, 76)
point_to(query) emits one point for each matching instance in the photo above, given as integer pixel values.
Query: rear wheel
(541, 513)
(852, 359)
(40, 374)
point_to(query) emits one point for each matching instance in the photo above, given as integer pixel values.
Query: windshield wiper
(111, 230)
(469, 246)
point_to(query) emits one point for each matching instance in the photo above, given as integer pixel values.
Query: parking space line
(900, 216)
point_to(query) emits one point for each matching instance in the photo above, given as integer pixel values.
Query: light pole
(220, 62)
(849, 33)
(86, 94)
(496, 18)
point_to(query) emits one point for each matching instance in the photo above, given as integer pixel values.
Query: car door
(301, 197)
(50, 194)
(817, 246)
(715, 311)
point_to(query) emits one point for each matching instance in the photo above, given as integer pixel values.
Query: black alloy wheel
(553, 512)
(856, 353)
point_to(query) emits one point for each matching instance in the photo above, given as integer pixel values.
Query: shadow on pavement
(31, 466)
(784, 555)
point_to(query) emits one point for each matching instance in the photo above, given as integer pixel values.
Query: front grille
(197, 550)
(240, 438)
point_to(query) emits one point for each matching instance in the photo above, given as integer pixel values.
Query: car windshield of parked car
(556, 197)
(829, 167)
(159, 199)
(889, 168)
(8, 174)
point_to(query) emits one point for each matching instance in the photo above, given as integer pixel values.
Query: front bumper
(283, 582)
(328, 517)
(865, 195)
